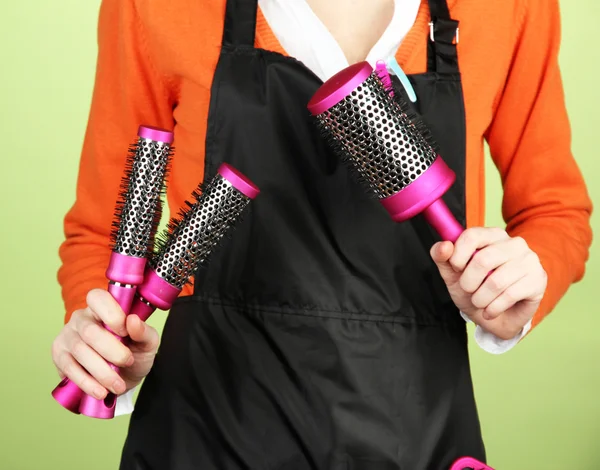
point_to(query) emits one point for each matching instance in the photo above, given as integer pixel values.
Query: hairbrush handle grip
(105, 409)
(443, 221)
(67, 393)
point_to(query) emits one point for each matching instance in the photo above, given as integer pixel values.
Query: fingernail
(118, 386)
(99, 393)
(129, 361)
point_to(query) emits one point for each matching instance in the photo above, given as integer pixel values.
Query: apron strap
(240, 23)
(443, 38)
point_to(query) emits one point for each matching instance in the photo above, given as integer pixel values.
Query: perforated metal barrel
(371, 130)
(200, 229)
(138, 208)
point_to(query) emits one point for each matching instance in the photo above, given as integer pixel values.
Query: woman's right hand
(83, 346)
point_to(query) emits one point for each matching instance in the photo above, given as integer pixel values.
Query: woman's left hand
(503, 302)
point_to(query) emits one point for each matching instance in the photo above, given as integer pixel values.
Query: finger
(441, 253)
(481, 265)
(105, 309)
(97, 367)
(144, 337)
(520, 291)
(502, 279)
(70, 369)
(103, 342)
(471, 240)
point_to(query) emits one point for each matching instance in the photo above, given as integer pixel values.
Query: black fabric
(441, 51)
(240, 22)
(320, 336)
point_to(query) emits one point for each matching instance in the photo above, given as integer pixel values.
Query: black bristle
(163, 238)
(144, 181)
(227, 236)
(417, 121)
(158, 212)
(124, 189)
(197, 231)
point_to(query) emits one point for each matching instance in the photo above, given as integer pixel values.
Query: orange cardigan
(155, 66)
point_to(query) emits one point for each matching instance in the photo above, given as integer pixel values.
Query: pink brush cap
(421, 193)
(156, 134)
(339, 87)
(238, 181)
(126, 269)
(465, 463)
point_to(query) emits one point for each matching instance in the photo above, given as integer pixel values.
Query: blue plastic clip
(393, 64)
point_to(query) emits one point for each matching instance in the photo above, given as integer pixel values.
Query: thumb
(441, 253)
(145, 337)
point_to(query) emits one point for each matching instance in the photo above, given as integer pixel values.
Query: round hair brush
(137, 215)
(386, 145)
(190, 239)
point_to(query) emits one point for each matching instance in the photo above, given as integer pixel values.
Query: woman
(323, 335)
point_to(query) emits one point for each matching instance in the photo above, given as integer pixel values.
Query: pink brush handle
(443, 221)
(424, 196)
(469, 462)
(105, 409)
(70, 396)
(124, 270)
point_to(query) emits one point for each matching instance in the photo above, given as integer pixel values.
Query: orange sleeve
(128, 91)
(545, 198)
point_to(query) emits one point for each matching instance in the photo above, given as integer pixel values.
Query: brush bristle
(418, 122)
(138, 209)
(199, 228)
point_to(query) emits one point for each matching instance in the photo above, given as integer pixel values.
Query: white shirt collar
(304, 37)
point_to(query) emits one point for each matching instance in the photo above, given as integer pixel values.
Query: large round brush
(137, 215)
(387, 145)
(190, 238)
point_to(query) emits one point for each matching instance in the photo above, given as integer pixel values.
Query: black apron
(321, 335)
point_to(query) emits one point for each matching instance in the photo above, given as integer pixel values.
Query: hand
(83, 346)
(503, 302)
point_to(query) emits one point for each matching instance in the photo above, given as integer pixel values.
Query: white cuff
(491, 343)
(124, 405)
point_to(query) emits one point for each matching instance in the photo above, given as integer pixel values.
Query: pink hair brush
(137, 215)
(388, 147)
(190, 239)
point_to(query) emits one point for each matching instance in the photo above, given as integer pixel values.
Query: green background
(539, 403)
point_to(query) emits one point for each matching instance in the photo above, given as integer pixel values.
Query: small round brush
(190, 238)
(387, 145)
(137, 214)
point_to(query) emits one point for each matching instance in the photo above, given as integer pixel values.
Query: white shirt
(304, 37)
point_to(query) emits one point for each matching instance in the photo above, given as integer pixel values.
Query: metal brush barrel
(377, 137)
(200, 230)
(136, 224)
